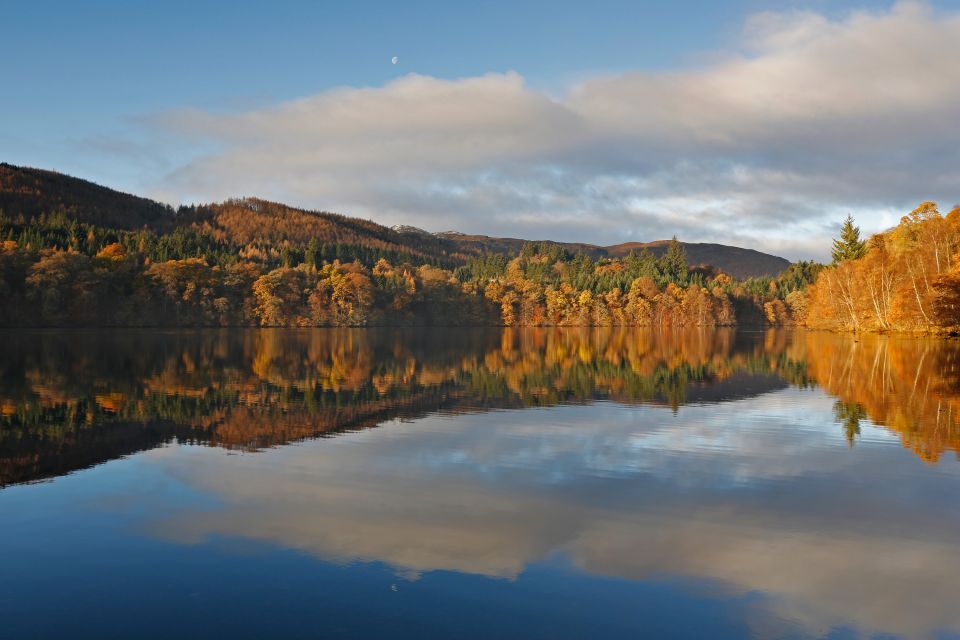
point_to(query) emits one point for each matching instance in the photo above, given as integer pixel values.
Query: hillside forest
(55, 271)
(76, 254)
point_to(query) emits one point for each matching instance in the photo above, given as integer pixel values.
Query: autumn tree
(902, 281)
(187, 292)
(61, 285)
(946, 302)
(281, 297)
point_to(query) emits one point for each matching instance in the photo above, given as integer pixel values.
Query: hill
(267, 226)
(73, 253)
(252, 221)
(736, 261)
(31, 192)
(478, 244)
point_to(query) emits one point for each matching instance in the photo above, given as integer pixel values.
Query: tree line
(57, 271)
(73, 253)
(904, 279)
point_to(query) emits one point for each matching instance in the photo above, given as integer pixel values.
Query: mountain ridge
(31, 192)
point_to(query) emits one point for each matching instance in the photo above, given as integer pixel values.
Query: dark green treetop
(673, 264)
(848, 246)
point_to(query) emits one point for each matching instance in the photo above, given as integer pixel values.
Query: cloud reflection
(741, 494)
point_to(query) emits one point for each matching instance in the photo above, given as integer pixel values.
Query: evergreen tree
(673, 264)
(848, 246)
(312, 257)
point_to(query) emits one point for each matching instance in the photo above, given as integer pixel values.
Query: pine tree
(673, 264)
(648, 263)
(312, 255)
(848, 246)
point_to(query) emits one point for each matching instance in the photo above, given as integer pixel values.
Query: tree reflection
(849, 415)
(908, 385)
(71, 400)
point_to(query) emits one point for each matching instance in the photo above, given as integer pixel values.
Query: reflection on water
(703, 482)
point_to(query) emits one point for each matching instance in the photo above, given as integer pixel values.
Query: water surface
(555, 483)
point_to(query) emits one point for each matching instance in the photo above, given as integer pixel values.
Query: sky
(742, 122)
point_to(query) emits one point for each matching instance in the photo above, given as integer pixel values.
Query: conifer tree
(673, 264)
(848, 246)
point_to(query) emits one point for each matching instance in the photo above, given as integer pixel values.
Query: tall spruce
(848, 246)
(673, 264)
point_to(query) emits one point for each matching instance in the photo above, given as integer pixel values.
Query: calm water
(478, 484)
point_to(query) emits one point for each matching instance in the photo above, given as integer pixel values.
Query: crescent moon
(394, 59)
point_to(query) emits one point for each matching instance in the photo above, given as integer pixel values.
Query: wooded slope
(264, 226)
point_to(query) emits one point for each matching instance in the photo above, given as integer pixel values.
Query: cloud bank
(767, 146)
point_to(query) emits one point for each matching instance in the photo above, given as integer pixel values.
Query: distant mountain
(736, 261)
(406, 228)
(30, 192)
(477, 244)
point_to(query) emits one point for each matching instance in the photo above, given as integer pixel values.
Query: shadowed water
(550, 483)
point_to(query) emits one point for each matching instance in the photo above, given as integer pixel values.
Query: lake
(498, 483)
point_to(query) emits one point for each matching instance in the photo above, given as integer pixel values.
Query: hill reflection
(68, 401)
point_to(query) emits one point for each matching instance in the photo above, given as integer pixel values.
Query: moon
(394, 59)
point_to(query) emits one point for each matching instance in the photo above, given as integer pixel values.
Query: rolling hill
(737, 261)
(30, 192)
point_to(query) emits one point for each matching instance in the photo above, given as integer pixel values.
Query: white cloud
(766, 146)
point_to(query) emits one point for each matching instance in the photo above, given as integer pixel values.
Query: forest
(73, 253)
(905, 279)
(57, 272)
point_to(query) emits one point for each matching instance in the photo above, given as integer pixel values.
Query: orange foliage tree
(906, 281)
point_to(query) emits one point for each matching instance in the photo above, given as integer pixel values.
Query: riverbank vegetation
(73, 253)
(56, 271)
(904, 279)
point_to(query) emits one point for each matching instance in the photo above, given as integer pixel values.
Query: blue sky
(172, 99)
